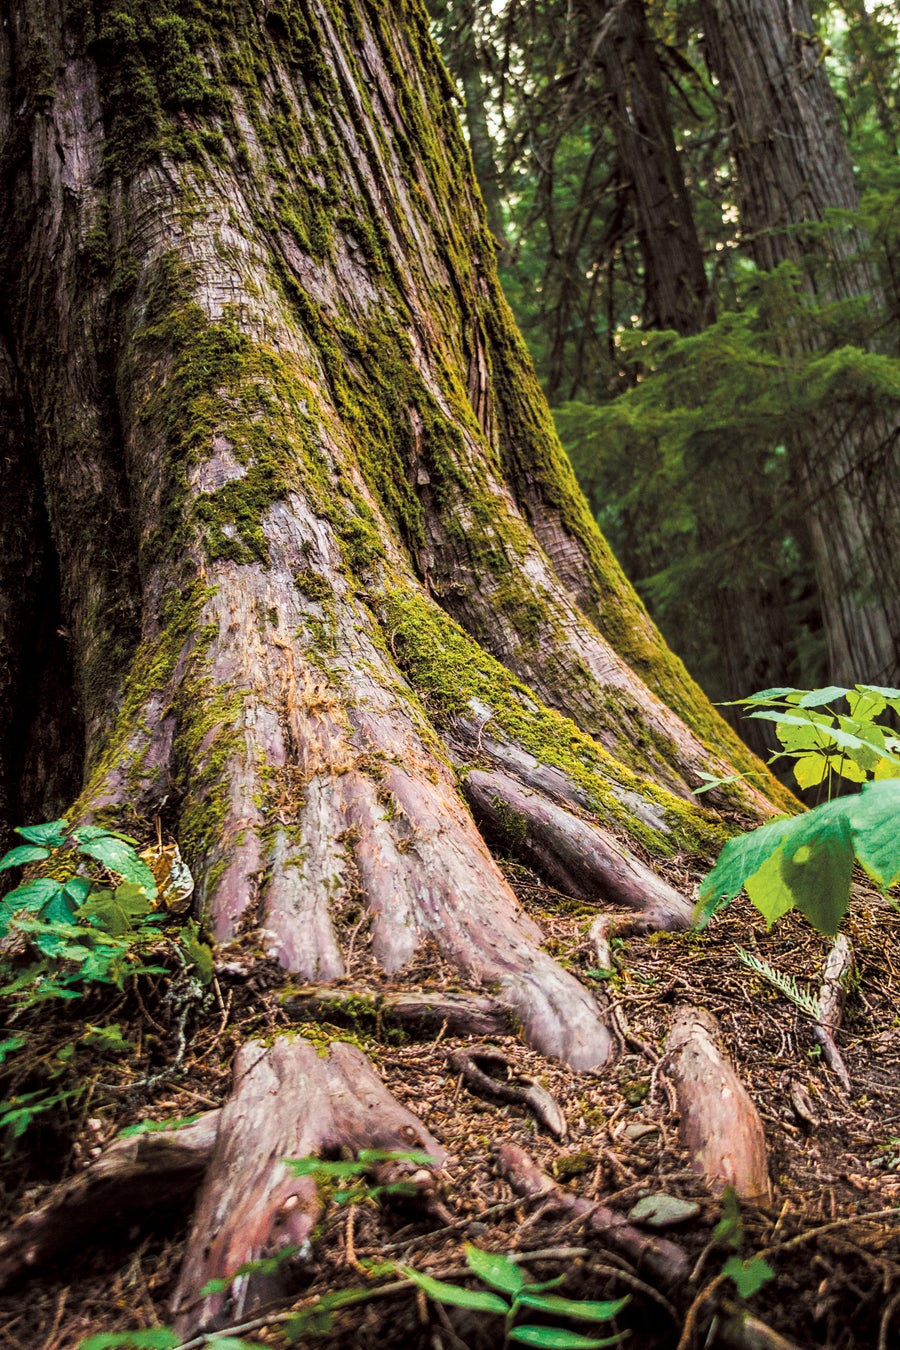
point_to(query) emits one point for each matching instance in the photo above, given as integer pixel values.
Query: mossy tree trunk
(320, 552)
(793, 168)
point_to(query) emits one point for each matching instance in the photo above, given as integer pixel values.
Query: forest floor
(831, 1236)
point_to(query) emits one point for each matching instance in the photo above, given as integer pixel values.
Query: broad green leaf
(818, 864)
(116, 912)
(886, 693)
(51, 835)
(24, 853)
(817, 698)
(764, 696)
(875, 822)
(851, 769)
(31, 895)
(78, 889)
(797, 733)
(886, 768)
(585, 1309)
(456, 1295)
(198, 952)
(810, 770)
(739, 859)
(106, 1038)
(729, 1231)
(749, 1276)
(121, 858)
(495, 1269)
(865, 703)
(153, 1338)
(84, 833)
(555, 1338)
(768, 891)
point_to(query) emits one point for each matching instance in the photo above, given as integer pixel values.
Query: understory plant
(806, 861)
(90, 912)
(499, 1272)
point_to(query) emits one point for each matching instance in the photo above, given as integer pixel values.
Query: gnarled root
(575, 855)
(289, 1101)
(720, 1126)
(137, 1176)
(664, 1260)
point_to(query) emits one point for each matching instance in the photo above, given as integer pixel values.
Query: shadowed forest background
(702, 322)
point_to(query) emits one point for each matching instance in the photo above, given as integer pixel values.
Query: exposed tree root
(664, 1260)
(720, 1126)
(832, 995)
(575, 855)
(134, 1177)
(742, 1331)
(420, 1013)
(289, 1101)
(481, 1070)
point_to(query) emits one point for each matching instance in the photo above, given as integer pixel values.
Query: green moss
(458, 680)
(512, 824)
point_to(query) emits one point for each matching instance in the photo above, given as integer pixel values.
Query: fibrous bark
(793, 168)
(289, 1101)
(287, 390)
(720, 1126)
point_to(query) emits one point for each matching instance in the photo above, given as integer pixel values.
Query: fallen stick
(720, 1126)
(664, 1260)
(538, 1100)
(832, 996)
(135, 1177)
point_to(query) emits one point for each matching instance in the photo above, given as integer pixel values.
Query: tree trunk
(676, 292)
(320, 551)
(793, 167)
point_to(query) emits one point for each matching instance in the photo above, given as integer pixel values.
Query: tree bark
(320, 553)
(288, 421)
(793, 167)
(676, 291)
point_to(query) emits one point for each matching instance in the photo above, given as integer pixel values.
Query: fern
(786, 984)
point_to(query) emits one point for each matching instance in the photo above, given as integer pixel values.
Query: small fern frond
(786, 984)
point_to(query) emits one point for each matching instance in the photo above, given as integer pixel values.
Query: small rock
(663, 1211)
(476, 1229)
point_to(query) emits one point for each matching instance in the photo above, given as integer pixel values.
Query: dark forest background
(697, 214)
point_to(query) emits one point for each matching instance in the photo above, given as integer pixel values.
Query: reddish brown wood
(664, 1260)
(575, 854)
(720, 1126)
(419, 1012)
(134, 1177)
(290, 1100)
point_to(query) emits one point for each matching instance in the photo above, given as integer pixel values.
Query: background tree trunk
(793, 167)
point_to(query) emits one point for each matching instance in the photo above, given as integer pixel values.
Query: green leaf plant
(806, 861)
(84, 914)
(500, 1273)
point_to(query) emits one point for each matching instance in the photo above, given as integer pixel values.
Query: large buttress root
(289, 1101)
(134, 1177)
